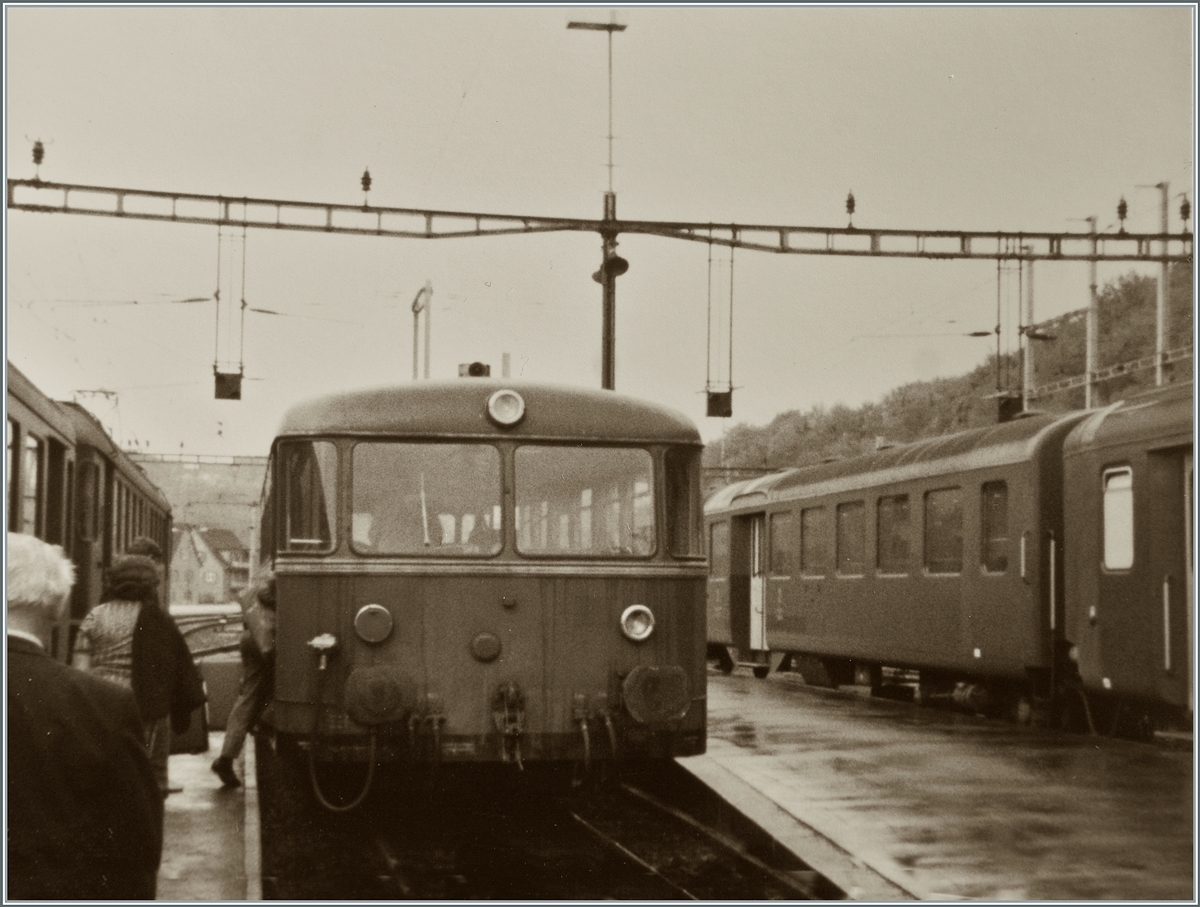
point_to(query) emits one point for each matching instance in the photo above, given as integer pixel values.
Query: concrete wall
(221, 492)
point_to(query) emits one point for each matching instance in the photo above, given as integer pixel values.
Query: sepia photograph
(637, 452)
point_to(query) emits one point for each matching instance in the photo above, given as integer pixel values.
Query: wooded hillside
(923, 409)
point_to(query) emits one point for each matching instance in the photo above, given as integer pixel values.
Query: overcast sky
(974, 118)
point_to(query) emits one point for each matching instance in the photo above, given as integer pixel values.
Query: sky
(954, 118)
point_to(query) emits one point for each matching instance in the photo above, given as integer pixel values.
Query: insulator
(850, 203)
(1185, 210)
(366, 181)
(1122, 209)
(39, 152)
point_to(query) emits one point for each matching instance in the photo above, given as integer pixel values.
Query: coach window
(606, 496)
(12, 477)
(31, 480)
(441, 500)
(814, 542)
(851, 539)
(993, 509)
(1118, 518)
(943, 531)
(86, 513)
(892, 534)
(718, 549)
(783, 544)
(309, 471)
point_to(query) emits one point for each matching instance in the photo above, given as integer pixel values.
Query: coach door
(758, 579)
(1189, 526)
(748, 586)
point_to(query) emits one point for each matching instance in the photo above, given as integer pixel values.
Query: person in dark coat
(257, 647)
(130, 640)
(84, 809)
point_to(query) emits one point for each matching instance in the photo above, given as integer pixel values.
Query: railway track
(505, 835)
(696, 861)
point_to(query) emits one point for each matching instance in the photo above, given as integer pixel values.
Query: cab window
(309, 476)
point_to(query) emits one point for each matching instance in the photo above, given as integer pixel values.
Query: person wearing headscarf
(130, 640)
(84, 809)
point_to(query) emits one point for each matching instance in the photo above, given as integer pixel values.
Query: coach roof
(995, 445)
(1162, 416)
(460, 408)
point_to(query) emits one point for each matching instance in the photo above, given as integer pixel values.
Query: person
(159, 741)
(130, 640)
(84, 810)
(257, 648)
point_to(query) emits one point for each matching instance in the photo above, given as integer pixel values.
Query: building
(208, 565)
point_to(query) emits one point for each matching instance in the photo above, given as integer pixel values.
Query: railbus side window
(892, 534)
(266, 534)
(310, 495)
(993, 540)
(685, 512)
(550, 485)
(814, 542)
(851, 539)
(943, 531)
(718, 549)
(783, 544)
(428, 499)
(1118, 518)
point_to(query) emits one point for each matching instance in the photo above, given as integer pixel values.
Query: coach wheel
(761, 671)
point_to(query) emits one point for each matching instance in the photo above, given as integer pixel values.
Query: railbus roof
(459, 408)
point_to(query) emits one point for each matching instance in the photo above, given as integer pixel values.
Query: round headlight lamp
(637, 622)
(373, 623)
(506, 408)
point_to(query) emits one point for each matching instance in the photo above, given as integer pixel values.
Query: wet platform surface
(950, 806)
(210, 834)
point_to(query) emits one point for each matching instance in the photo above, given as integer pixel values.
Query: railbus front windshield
(584, 502)
(446, 499)
(426, 499)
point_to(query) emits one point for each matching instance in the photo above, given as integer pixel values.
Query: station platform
(211, 839)
(891, 801)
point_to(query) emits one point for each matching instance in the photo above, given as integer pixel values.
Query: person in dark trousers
(84, 810)
(158, 738)
(257, 647)
(130, 640)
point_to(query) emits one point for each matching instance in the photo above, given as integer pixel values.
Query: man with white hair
(84, 809)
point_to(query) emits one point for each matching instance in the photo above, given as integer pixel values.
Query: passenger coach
(69, 484)
(1130, 575)
(941, 557)
(487, 571)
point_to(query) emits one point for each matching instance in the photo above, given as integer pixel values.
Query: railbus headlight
(506, 408)
(637, 622)
(373, 623)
